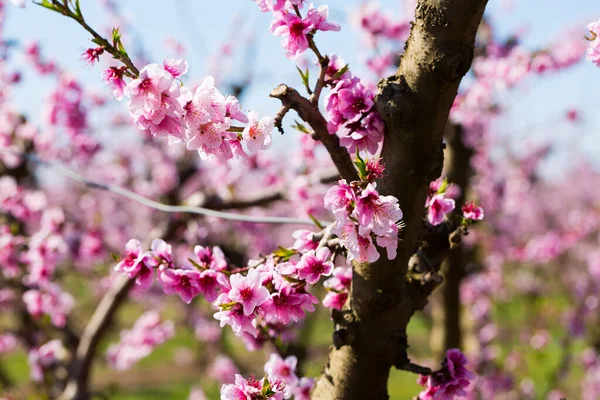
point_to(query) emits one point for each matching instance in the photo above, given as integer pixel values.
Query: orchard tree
(390, 179)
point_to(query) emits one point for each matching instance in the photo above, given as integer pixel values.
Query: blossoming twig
(311, 114)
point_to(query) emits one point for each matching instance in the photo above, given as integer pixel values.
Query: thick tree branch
(77, 386)
(414, 104)
(310, 113)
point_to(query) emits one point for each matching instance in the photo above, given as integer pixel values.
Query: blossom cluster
(439, 203)
(256, 301)
(202, 119)
(34, 258)
(296, 31)
(375, 23)
(44, 357)
(338, 287)
(137, 343)
(363, 217)
(352, 115)
(451, 381)
(593, 51)
(280, 382)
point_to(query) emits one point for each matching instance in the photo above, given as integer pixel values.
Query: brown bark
(370, 333)
(458, 171)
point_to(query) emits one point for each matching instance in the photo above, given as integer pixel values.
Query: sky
(202, 26)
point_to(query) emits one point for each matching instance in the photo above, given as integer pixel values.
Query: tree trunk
(370, 332)
(458, 171)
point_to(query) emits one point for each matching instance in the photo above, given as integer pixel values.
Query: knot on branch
(345, 323)
(455, 60)
(393, 101)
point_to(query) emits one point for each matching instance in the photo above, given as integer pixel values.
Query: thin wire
(72, 175)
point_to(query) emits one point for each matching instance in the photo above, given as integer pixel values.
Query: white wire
(72, 175)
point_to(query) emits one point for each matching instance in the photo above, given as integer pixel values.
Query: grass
(160, 376)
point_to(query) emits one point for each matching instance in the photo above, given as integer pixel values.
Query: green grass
(160, 377)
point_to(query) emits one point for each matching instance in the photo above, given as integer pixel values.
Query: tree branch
(77, 386)
(414, 104)
(310, 113)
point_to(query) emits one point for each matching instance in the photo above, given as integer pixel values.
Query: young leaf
(341, 72)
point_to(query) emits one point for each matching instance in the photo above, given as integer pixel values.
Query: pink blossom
(257, 133)
(336, 63)
(267, 388)
(451, 381)
(302, 390)
(162, 252)
(211, 257)
(184, 282)
(248, 291)
(234, 109)
(285, 305)
(176, 67)
(51, 301)
(313, 265)
(234, 316)
(294, 31)
(8, 343)
(198, 108)
(593, 51)
(359, 247)
(389, 240)
(222, 369)
(438, 207)
(137, 343)
(304, 240)
(339, 199)
(282, 369)
(92, 56)
(44, 357)
(472, 212)
(197, 394)
(319, 16)
(335, 300)
(153, 97)
(376, 212)
(136, 264)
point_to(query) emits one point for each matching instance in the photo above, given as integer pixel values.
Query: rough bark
(370, 333)
(458, 160)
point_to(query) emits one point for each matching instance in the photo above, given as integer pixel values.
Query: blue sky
(202, 25)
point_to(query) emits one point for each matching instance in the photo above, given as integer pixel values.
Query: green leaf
(443, 186)
(305, 78)
(316, 221)
(341, 72)
(117, 44)
(361, 166)
(47, 4)
(227, 306)
(195, 264)
(300, 127)
(283, 253)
